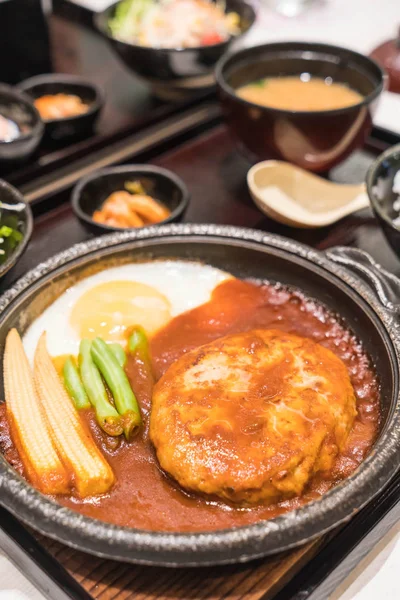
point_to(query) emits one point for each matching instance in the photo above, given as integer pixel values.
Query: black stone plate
(346, 280)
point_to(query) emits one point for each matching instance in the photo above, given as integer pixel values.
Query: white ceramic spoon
(298, 198)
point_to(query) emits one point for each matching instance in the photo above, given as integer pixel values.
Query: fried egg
(108, 303)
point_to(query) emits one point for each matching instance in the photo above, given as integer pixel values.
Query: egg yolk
(109, 309)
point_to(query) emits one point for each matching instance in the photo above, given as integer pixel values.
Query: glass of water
(290, 8)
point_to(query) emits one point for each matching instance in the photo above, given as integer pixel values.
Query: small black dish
(90, 192)
(383, 187)
(18, 108)
(175, 73)
(14, 211)
(78, 126)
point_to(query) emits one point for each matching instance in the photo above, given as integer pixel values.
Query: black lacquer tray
(215, 174)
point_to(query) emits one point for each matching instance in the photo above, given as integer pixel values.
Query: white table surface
(361, 25)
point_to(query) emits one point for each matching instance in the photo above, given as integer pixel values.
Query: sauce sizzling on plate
(144, 497)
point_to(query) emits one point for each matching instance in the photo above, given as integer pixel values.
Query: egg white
(185, 284)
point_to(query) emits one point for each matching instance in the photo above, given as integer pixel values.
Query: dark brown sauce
(146, 498)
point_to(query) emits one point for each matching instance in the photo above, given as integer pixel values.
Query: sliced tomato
(211, 38)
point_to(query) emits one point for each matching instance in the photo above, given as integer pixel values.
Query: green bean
(138, 342)
(107, 416)
(119, 353)
(74, 385)
(117, 381)
(138, 345)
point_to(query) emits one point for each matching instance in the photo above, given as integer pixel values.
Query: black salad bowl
(78, 126)
(175, 73)
(383, 187)
(14, 211)
(90, 192)
(18, 108)
(343, 279)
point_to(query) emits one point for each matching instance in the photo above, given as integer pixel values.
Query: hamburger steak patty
(251, 417)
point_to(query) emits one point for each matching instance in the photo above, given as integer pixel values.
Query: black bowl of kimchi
(70, 126)
(176, 72)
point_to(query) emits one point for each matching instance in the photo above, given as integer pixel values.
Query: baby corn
(92, 474)
(29, 427)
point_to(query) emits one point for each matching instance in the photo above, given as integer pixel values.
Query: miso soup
(302, 92)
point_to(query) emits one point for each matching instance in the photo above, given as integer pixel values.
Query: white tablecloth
(361, 25)
(13, 585)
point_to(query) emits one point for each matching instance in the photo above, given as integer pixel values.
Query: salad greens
(127, 17)
(173, 24)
